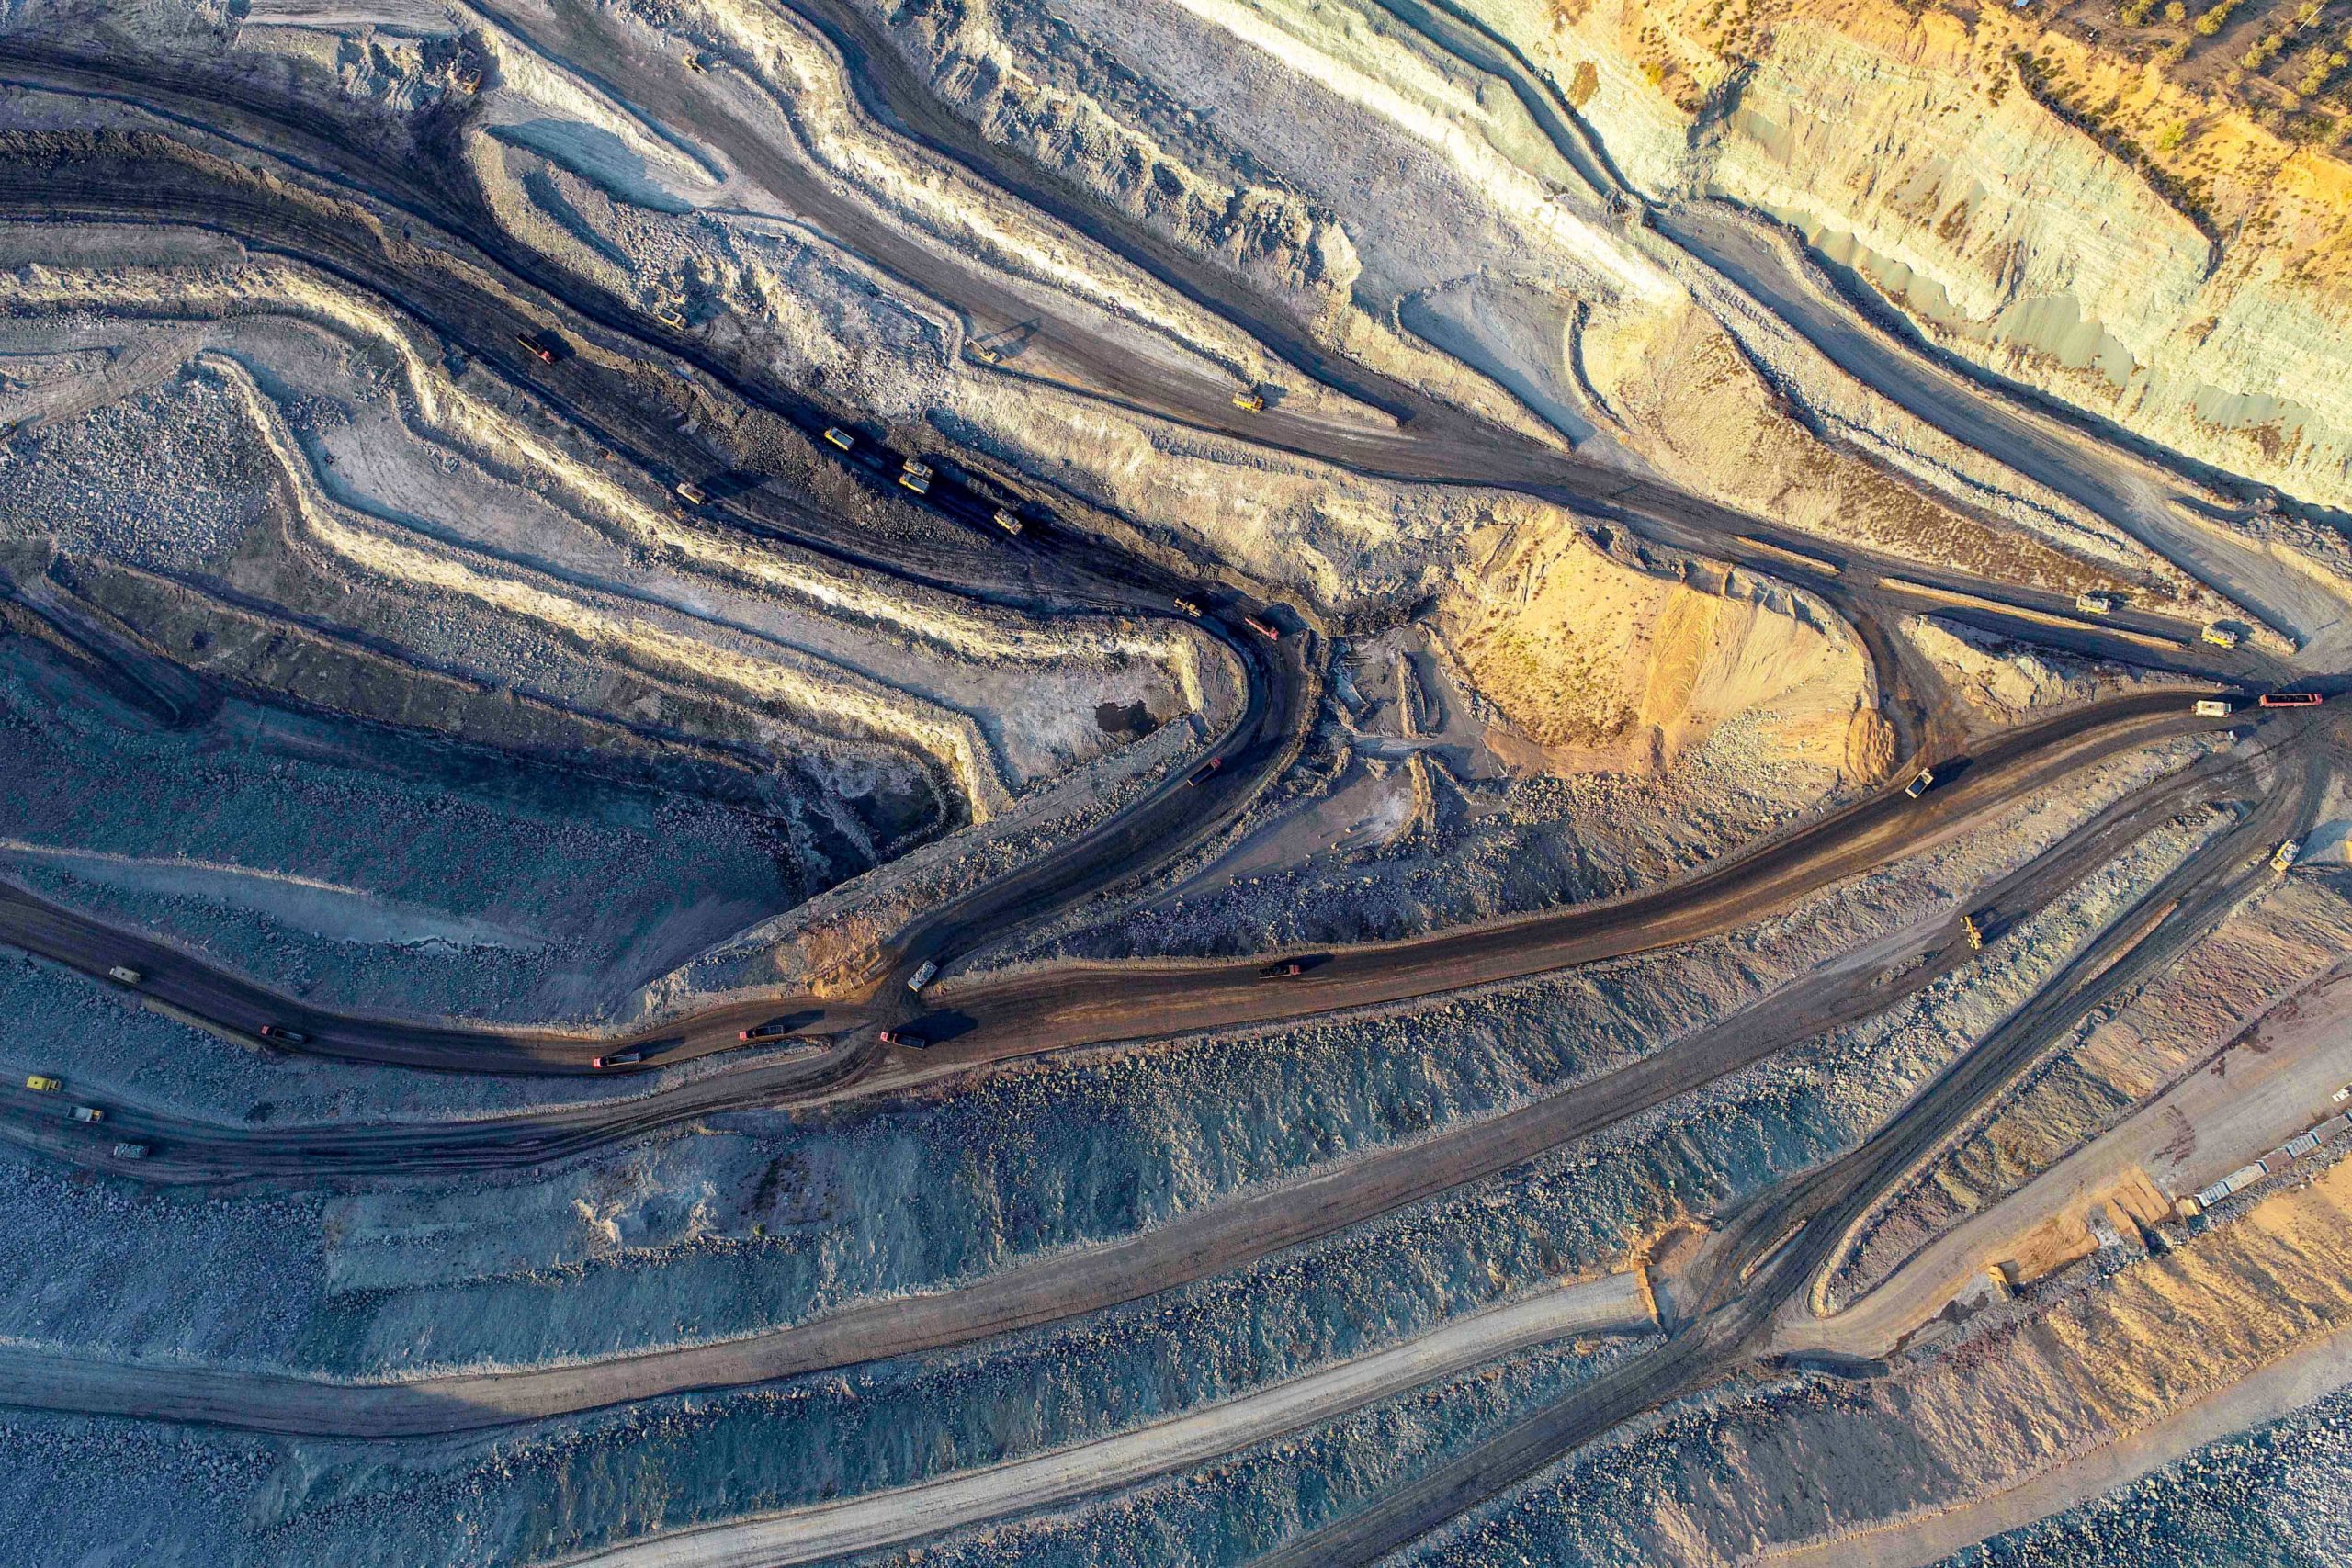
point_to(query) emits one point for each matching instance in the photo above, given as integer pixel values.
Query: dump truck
(2212, 707)
(1006, 521)
(2095, 603)
(2284, 855)
(130, 1151)
(124, 973)
(617, 1059)
(88, 1114)
(279, 1035)
(669, 317)
(1919, 786)
(916, 475)
(2290, 699)
(1288, 969)
(922, 977)
(1201, 775)
(540, 351)
(766, 1031)
(44, 1083)
(1249, 401)
(2220, 636)
(692, 494)
(840, 438)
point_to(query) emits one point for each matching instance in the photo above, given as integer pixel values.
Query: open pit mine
(1037, 783)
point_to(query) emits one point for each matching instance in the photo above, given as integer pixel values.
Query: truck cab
(1919, 786)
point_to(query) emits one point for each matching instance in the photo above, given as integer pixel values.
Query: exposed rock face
(1598, 665)
(1964, 169)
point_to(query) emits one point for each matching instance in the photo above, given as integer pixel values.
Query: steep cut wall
(2000, 185)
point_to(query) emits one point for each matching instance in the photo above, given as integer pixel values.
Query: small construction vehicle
(1249, 401)
(1974, 931)
(2220, 636)
(124, 973)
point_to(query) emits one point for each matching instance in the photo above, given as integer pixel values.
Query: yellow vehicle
(839, 437)
(42, 1083)
(2095, 602)
(88, 1113)
(125, 973)
(1249, 401)
(2220, 636)
(1974, 933)
(1007, 521)
(916, 477)
(692, 494)
(2212, 707)
(668, 316)
(2284, 855)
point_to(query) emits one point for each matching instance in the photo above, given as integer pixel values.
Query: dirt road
(881, 1519)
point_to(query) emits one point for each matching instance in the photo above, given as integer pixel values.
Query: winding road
(416, 232)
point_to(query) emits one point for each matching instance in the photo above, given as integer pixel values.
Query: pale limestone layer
(1910, 149)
